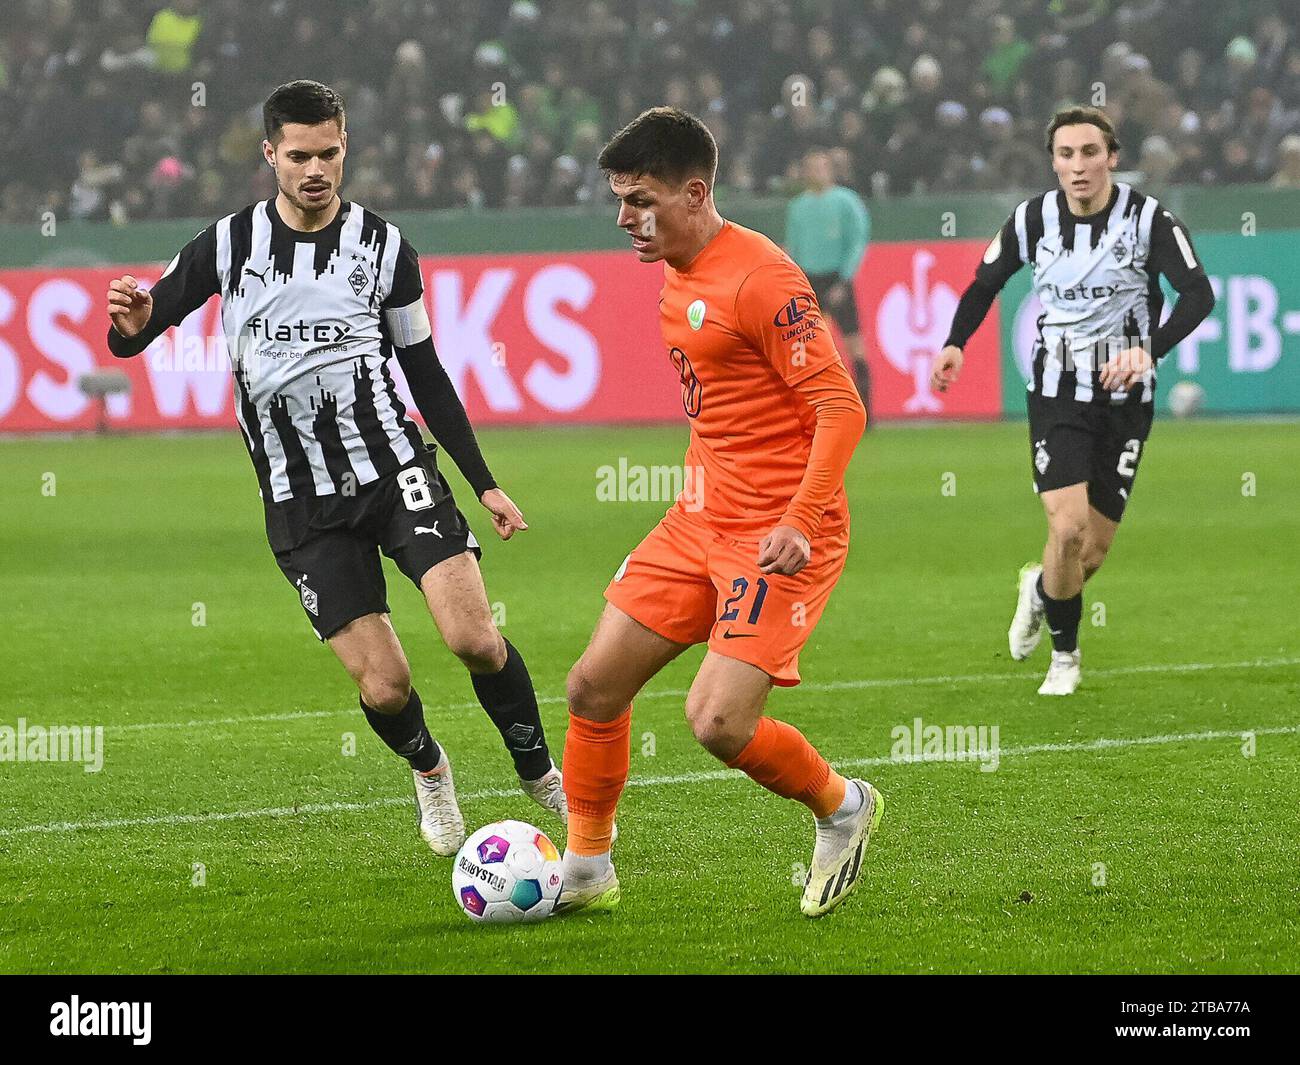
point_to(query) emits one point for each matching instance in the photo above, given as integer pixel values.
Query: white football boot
(1062, 675)
(596, 896)
(441, 823)
(1027, 623)
(837, 858)
(548, 792)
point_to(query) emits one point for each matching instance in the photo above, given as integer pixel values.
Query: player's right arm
(1001, 260)
(406, 323)
(138, 317)
(812, 369)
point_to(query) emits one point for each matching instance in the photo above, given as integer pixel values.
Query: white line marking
(1102, 744)
(680, 693)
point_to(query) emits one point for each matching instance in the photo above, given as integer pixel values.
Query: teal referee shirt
(827, 232)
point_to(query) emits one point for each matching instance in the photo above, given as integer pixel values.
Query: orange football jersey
(743, 329)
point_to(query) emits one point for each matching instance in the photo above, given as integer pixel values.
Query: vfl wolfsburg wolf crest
(695, 314)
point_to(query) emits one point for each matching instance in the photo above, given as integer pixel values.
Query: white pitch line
(1101, 744)
(681, 693)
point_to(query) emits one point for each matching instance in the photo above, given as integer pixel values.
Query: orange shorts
(691, 584)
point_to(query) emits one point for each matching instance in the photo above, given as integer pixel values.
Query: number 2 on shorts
(1127, 465)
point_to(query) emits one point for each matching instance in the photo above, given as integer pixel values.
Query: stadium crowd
(129, 109)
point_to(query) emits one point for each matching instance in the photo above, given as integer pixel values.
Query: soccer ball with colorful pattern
(507, 872)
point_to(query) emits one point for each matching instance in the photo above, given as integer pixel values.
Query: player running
(1096, 248)
(748, 563)
(316, 294)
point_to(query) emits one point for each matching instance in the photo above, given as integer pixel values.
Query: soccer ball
(1186, 398)
(508, 871)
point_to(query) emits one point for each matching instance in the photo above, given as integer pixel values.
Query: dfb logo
(911, 325)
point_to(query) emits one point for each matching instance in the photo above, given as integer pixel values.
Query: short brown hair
(308, 102)
(663, 143)
(1079, 116)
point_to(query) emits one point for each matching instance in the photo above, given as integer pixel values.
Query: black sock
(511, 703)
(1062, 618)
(406, 733)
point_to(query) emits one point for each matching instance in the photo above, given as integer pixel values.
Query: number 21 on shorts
(739, 588)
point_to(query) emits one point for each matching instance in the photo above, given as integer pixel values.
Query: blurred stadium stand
(498, 104)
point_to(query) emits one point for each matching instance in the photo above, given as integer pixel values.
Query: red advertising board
(907, 293)
(526, 339)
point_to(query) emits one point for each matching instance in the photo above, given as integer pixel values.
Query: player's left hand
(784, 550)
(506, 517)
(1125, 369)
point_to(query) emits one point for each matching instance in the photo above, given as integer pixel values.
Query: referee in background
(827, 228)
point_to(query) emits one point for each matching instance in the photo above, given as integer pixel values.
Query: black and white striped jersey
(1097, 280)
(310, 320)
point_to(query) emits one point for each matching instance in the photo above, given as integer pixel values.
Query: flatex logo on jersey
(1083, 292)
(306, 332)
(262, 342)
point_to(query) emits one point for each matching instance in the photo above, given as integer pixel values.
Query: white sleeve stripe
(408, 325)
(388, 266)
(1022, 233)
(1145, 220)
(1189, 257)
(223, 251)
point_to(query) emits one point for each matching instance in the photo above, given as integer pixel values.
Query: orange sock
(596, 760)
(784, 762)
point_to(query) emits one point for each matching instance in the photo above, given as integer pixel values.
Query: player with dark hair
(748, 564)
(1097, 249)
(316, 294)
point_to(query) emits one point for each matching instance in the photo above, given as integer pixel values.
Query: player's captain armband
(408, 325)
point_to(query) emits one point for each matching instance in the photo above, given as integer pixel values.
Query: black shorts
(845, 310)
(328, 546)
(1094, 443)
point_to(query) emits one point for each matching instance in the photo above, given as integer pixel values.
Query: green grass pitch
(224, 742)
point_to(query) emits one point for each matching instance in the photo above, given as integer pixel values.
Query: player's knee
(1068, 532)
(713, 728)
(587, 698)
(1092, 558)
(387, 688)
(481, 650)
